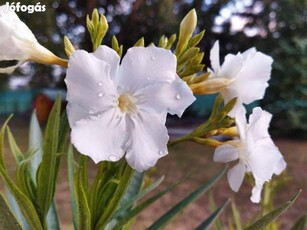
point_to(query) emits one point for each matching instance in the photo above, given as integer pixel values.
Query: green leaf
(24, 179)
(22, 200)
(212, 217)
(300, 224)
(2, 132)
(83, 210)
(270, 217)
(127, 201)
(7, 218)
(140, 195)
(178, 208)
(14, 147)
(121, 188)
(146, 203)
(71, 171)
(35, 142)
(236, 215)
(16, 210)
(52, 218)
(46, 178)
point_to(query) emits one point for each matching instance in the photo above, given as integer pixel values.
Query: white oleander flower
(120, 109)
(244, 76)
(255, 151)
(17, 43)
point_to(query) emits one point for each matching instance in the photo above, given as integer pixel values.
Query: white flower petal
(256, 191)
(231, 66)
(249, 53)
(215, 57)
(251, 81)
(75, 113)
(235, 176)
(237, 109)
(264, 159)
(109, 56)
(101, 137)
(259, 122)
(280, 166)
(143, 66)
(147, 140)
(241, 123)
(226, 153)
(88, 83)
(173, 97)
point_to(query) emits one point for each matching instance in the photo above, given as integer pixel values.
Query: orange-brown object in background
(43, 106)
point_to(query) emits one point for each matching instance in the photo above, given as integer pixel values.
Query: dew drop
(178, 96)
(112, 158)
(153, 58)
(99, 83)
(161, 153)
(100, 94)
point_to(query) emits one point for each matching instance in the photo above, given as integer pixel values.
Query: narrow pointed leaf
(47, 170)
(83, 210)
(270, 217)
(2, 133)
(121, 188)
(14, 147)
(16, 210)
(135, 211)
(52, 218)
(7, 218)
(142, 193)
(35, 142)
(71, 171)
(204, 225)
(168, 216)
(24, 203)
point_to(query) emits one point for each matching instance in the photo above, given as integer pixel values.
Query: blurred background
(275, 27)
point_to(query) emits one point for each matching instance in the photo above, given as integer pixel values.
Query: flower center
(126, 103)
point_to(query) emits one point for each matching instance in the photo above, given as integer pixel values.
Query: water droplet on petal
(169, 81)
(153, 58)
(99, 83)
(178, 96)
(100, 94)
(161, 153)
(113, 158)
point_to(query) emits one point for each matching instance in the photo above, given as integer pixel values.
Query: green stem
(178, 140)
(125, 179)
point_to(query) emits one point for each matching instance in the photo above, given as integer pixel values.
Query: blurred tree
(281, 28)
